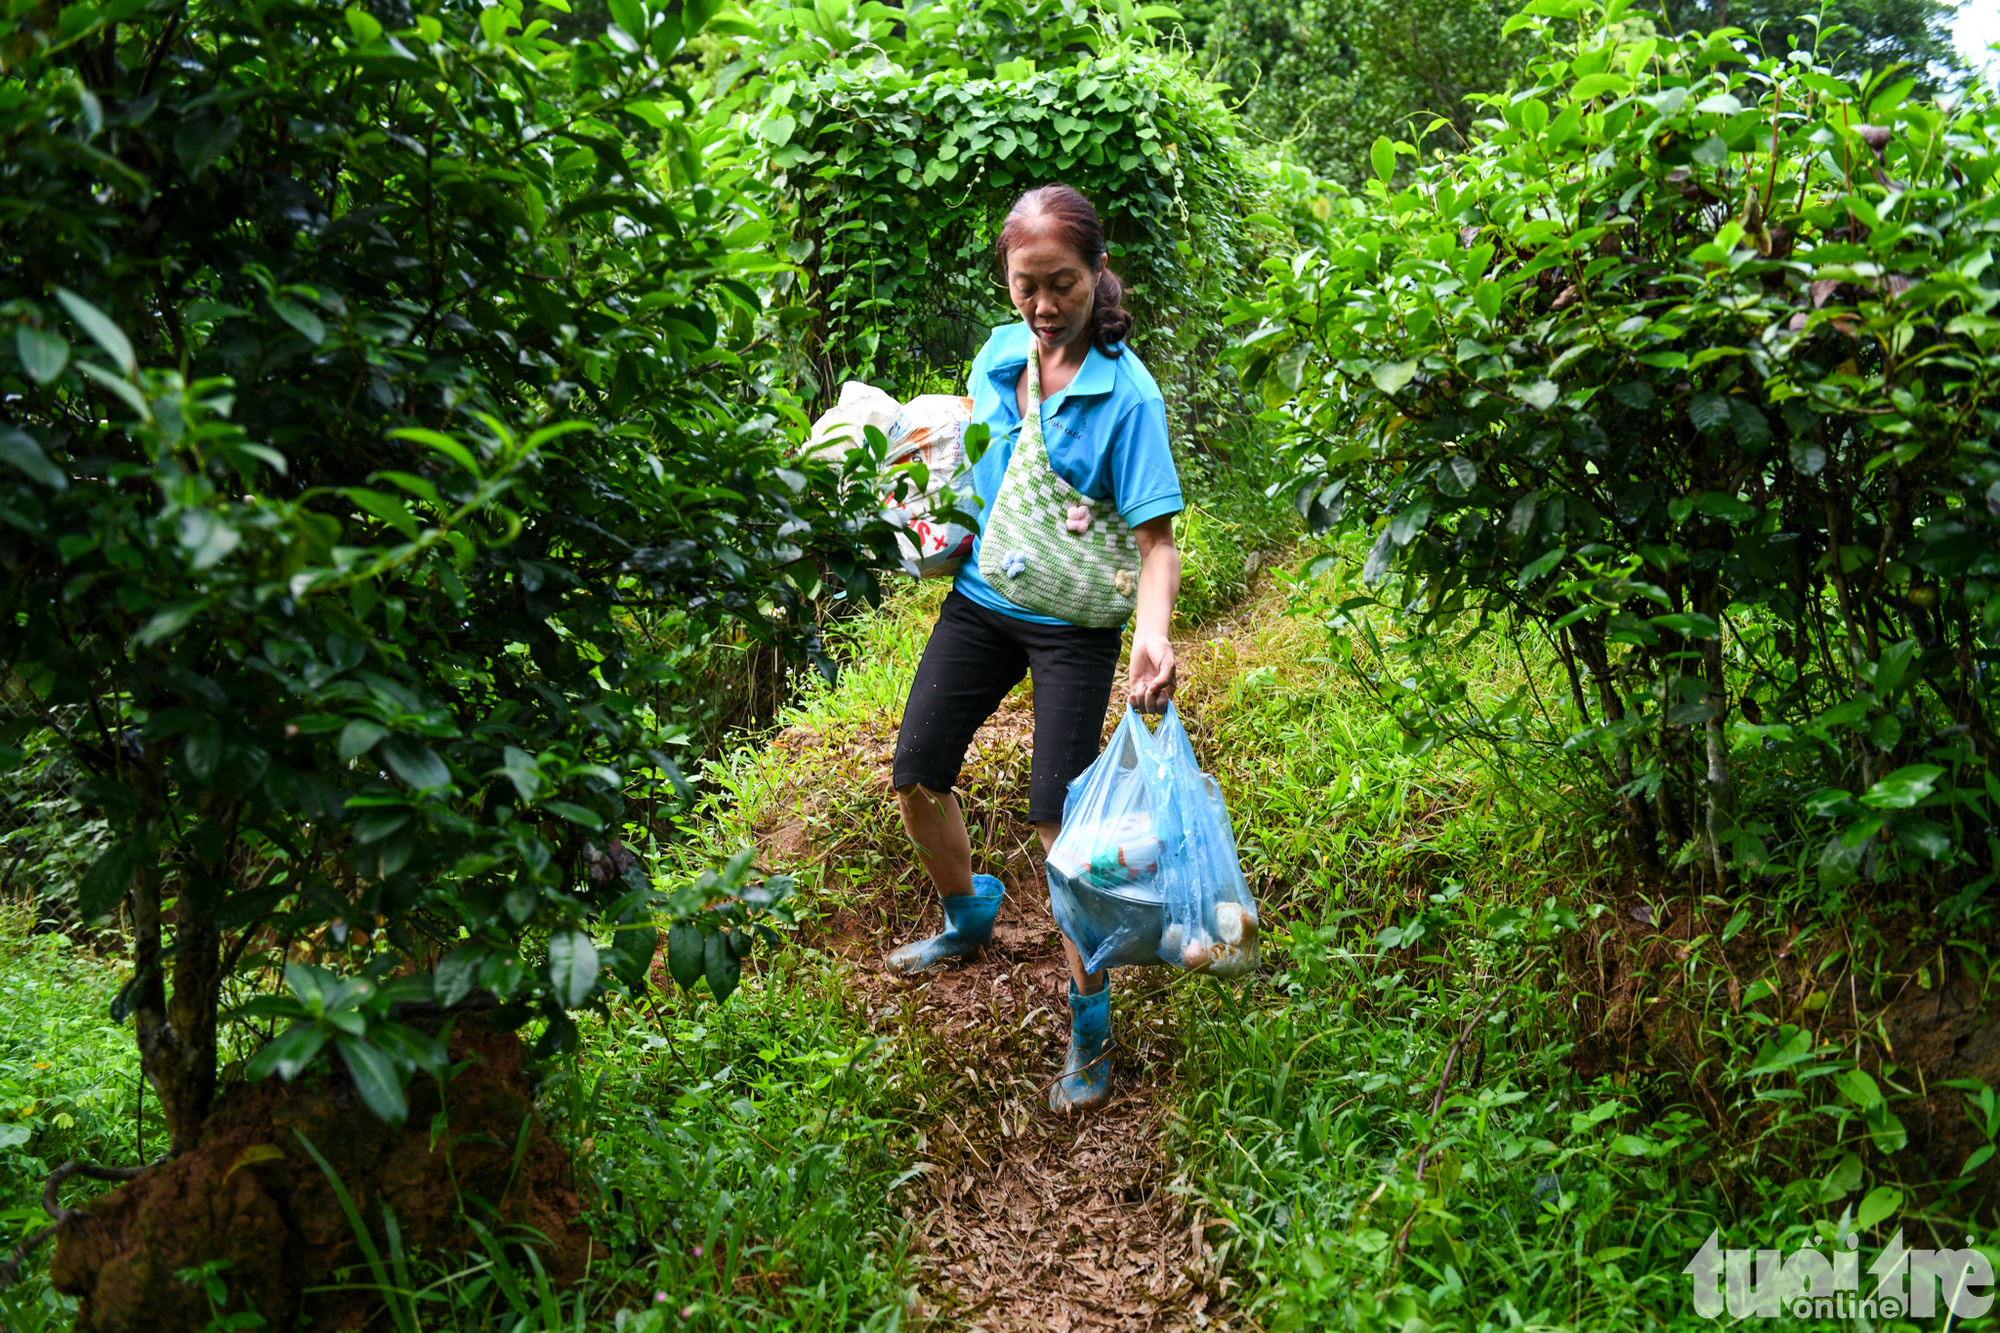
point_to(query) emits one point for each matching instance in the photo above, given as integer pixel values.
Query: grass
(69, 1087)
(738, 1165)
(747, 1153)
(1386, 1131)
(1389, 1126)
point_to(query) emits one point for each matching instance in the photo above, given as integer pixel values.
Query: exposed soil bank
(1653, 985)
(251, 1197)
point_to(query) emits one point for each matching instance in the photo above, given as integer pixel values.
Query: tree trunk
(1641, 834)
(176, 1035)
(1716, 779)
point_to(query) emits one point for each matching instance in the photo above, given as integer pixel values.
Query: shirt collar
(1095, 378)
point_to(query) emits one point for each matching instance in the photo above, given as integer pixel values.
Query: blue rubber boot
(968, 920)
(1086, 1080)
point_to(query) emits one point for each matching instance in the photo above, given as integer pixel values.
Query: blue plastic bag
(1145, 869)
(1106, 866)
(1212, 923)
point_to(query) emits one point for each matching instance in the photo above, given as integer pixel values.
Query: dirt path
(1033, 1220)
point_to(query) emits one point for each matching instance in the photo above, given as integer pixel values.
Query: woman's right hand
(1152, 674)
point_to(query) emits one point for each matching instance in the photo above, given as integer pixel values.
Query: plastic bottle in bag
(1212, 923)
(1145, 870)
(1106, 865)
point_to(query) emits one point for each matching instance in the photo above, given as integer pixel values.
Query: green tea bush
(364, 386)
(1689, 364)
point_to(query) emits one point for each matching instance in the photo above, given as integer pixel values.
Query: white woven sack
(931, 428)
(844, 425)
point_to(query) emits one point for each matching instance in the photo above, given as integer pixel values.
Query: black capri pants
(974, 657)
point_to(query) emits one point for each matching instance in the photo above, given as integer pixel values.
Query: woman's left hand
(1151, 678)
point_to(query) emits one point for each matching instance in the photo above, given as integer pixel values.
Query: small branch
(89, 1171)
(10, 1268)
(1437, 1102)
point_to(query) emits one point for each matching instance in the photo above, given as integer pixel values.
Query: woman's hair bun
(1110, 321)
(1063, 213)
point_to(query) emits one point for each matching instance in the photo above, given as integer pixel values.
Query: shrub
(1327, 77)
(364, 384)
(1689, 364)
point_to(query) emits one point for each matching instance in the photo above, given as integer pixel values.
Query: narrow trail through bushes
(1031, 1220)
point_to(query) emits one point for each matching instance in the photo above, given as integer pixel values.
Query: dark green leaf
(375, 1078)
(685, 955)
(1635, 394)
(1924, 836)
(576, 814)
(1536, 568)
(205, 136)
(721, 966)
(101, 329)
(1403, 529)
(572, 967)
(1752, 427)
(1541, 395)
(300, 318)
(1458, 475)
(1903, 788)
(359, 737)
(458, 973)
(19, 451)
(289, 1054)
(108, 880)
(389, 508)
(1380, 555)
(43, 354)
(415, 763)
(1726, 507)
(1709, 412)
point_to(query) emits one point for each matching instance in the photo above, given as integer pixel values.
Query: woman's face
(1053, 288)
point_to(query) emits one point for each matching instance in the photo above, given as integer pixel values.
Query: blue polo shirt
(1106, 434)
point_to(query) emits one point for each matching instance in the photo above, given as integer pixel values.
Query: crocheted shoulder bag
(1050, 548)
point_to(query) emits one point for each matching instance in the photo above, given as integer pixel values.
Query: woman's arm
(1152, 670)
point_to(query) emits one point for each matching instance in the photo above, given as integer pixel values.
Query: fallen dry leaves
(1031, 1220)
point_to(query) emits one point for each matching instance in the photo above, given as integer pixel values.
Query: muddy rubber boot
(968, 920)
(1086, 1080)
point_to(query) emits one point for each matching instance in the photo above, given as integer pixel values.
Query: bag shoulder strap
(1031, 422)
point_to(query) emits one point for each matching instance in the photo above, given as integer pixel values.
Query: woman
(1105, 427)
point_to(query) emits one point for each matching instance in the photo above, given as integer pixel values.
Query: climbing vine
(891, 170)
